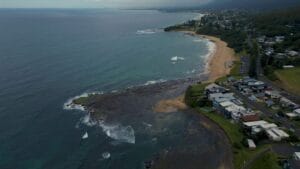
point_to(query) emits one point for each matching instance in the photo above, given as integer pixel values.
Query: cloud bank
(100, 3)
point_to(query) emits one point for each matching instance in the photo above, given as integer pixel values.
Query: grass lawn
(268, 160)
(290, 79)
(241, 153)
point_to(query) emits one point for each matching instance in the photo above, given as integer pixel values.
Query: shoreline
(220, 60)
(219, 63)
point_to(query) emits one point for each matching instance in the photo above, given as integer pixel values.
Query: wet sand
(221, 59)
(219, 65)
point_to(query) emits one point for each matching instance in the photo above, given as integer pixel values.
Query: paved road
(265, 111)
(293, 97)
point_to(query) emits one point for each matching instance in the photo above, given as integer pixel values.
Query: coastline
(220, 60)
(219, 63)
(165, 97)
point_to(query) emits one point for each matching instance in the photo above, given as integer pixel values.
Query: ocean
(48, 56)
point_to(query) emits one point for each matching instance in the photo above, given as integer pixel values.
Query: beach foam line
(148, 31)
(151, 82)
(208, 57)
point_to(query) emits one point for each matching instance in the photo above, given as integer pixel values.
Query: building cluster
(226, 103)
(267, 46)
(233, 108)
(258, 91)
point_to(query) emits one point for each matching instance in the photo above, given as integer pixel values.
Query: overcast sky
(98, 3)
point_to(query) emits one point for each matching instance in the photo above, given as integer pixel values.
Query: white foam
(147, 31)
(147, 124)
(87, 120)
(119, 132)
(69, 105)
(150, 82)
(198, 40)
(211, 51)
(106, 155)
(191, 71)
(176, 58)
(114, 131)
(85, 136)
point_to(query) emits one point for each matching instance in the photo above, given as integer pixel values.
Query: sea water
(48, 56)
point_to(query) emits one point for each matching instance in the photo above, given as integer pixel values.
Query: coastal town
(257, 103)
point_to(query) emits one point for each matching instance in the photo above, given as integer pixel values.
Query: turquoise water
(49, 56)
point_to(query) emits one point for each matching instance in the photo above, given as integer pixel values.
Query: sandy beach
(219, 64)
(221, 59)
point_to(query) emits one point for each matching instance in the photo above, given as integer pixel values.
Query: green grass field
(268, 160)
(290, 79)
(241, 154)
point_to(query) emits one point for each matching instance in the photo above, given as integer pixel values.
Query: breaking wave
(177, 58)
(150, 82)
(198, 40)
(119, 132)
(147, 31)
(211, 51)
(115, 131)
(106, 155)
(191, 71)
(69, 105)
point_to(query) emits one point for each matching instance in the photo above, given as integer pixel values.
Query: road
(265, 111)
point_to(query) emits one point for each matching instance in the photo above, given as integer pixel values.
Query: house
(297, 111)
(269, 103)
(235, 111)
(292, 115)
(251, 144)
(292, 53)
(297, 156)
(273, 94)
(288, 66)
(226, 96)
(276, 134)
(271, 129)
(279, 39)
(261, 39)
(250, 117)
(253, 98)
(214, 88)
(287, 103)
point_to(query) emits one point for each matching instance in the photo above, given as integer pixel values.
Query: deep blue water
(49, 56)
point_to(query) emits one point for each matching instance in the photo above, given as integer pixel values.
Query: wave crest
(115, 131)
(151, 82)
(147, 31)
(177, 58)
(69, 105)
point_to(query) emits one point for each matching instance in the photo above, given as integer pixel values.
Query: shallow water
(49, 56)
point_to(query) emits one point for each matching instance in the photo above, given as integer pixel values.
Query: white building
(251, 144)
(297, 156)
(271, 129)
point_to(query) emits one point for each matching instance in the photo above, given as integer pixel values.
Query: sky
(99, 3)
